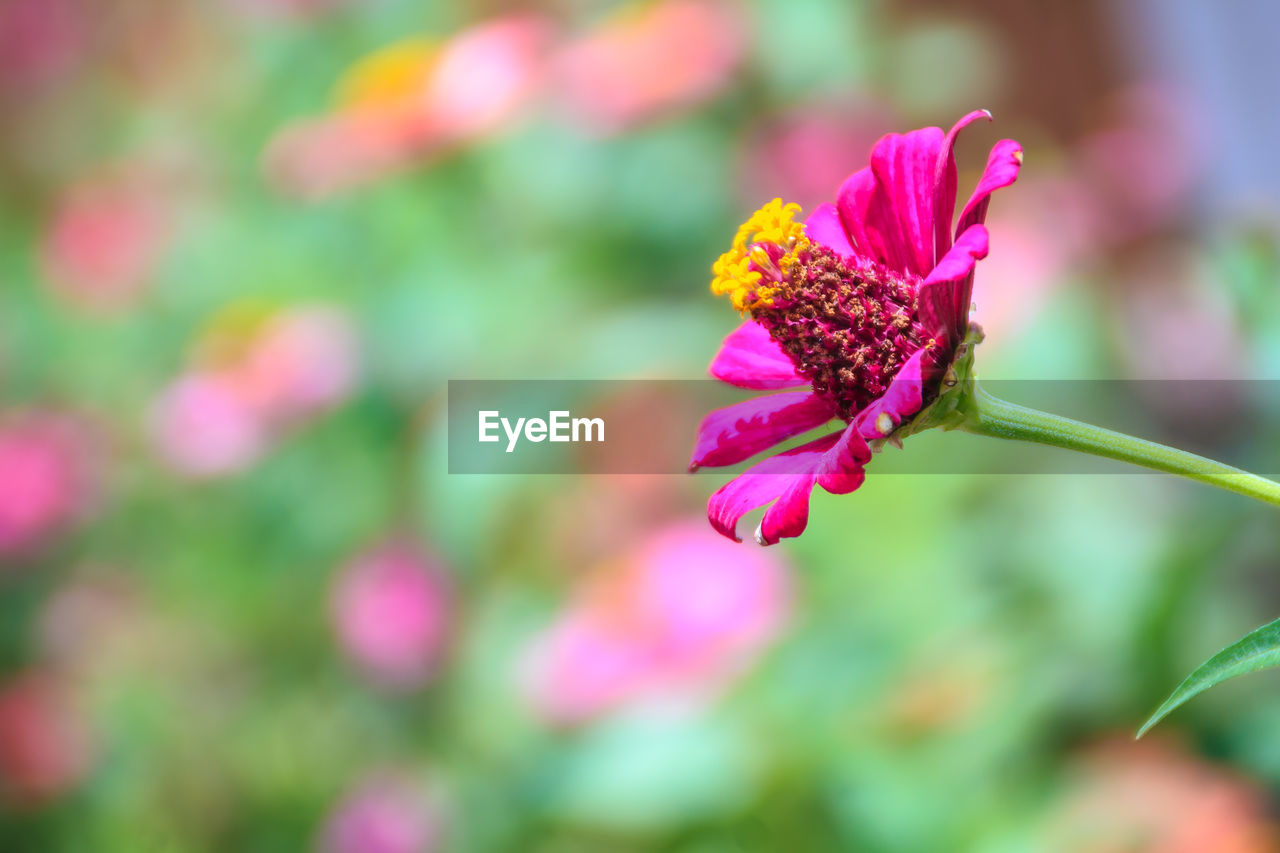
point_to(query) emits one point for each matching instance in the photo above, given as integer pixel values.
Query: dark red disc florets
(847, 328)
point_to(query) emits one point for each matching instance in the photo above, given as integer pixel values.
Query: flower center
(847, 326)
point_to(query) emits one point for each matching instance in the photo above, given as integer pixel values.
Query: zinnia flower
(867, 304)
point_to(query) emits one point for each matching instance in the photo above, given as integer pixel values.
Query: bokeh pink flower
(648, 60)
(392, 610)
(107, 237)
(40, 42)
(205, 425)
(47, 477)
(387, 812)
(412, 102)
(677, 618)
(45, 748)
(802, 153)
(251, 386)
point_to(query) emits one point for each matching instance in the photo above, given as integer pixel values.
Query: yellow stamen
(774, 223)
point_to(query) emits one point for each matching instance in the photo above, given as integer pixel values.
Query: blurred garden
(244, 606)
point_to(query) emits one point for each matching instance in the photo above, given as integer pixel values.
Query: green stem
(988, 415)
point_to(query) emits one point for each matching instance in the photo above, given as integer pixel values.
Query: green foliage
(1257, 650)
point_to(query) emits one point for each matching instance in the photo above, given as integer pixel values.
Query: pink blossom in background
(1142, 164)
(106, 238)
(204, 424)
(44, 744)
(1045, 232)
(801, 154)
(46, 477)
(392, 611)
(384, 813)
(484, 75)
(679, 617)
(229, 408)
(650, 59)
(302, 362)
(411, 102)
(40, 41)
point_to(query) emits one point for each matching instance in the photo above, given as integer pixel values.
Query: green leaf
(1259, 649)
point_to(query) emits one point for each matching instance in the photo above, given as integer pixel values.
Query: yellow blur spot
(732, 273)
(388, 77)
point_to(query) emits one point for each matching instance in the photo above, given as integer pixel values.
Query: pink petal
(860, 203)
(903, 399)
(944, 199)
(729, 435)
(786, 480)
(1002, 170)
(749, 358)
(904, 166)
(841, 470)
(824, 226)
(944, 296)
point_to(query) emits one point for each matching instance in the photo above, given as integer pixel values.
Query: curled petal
(786, 481)
(903, 399)
(944, 198)
(749, 358)
(944, 296)
(1002, 169)
(841, 470)
(734, 433)
(824, 226)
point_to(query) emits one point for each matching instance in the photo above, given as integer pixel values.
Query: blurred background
(244, 244)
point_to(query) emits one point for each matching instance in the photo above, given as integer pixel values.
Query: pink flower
(45, 477)
(800, 154)
(385, 813)
(411, 102)
(650, 59)
(302, 361)
(204, 425)
(106, 239)
(392, 610)
(254, 382)
(866, 303)
(681, 616)
(40, 41)
(44, 746)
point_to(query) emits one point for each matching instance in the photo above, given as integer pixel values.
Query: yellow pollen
(733, 273)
